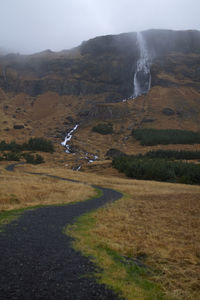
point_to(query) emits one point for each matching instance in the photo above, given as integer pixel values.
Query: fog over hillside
(33, 26)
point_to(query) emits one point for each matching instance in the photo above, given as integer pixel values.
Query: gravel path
(37, 261)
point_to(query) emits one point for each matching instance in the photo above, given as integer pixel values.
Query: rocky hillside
(48, 93)
(103, 65)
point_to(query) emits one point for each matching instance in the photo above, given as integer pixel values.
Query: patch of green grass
(99, 193)
(123, 275)
(103, 128)
(7, 217)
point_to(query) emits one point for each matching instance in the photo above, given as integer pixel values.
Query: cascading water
(142, 76)
(68, 138)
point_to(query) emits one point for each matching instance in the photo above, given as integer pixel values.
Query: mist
(36, 25)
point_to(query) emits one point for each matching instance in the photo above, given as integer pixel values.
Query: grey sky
(29, 26)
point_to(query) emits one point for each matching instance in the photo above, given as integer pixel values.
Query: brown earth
(46, 94)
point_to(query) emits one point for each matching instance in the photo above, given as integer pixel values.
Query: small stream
(68, 138)
(88, 156)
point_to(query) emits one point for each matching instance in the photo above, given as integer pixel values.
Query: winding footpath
(37, 260)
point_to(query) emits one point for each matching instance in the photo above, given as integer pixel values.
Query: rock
(104, 65)
(168, 111)
(115, 153)
(18, 126)
(147, 120)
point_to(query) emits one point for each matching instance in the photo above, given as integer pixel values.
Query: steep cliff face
(163, 42)
(103, 65)
(98, 80)
(132, 80)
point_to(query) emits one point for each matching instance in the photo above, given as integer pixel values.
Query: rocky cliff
(104, 65)
(95, 83)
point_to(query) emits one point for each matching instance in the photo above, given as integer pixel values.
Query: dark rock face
(107, 112)
(103, 65)
(148, 120)
(168, 111)
(18, 126)
(181, 68)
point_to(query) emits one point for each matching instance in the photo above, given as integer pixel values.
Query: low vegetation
(29, 158)
(14, 152)
(121, 273)
(9, 216)
(151, 137)
(103, 128)
(19, 190)
(155, 224)
(142, 167)
(173, 154)
(34, 144)
(158, 231)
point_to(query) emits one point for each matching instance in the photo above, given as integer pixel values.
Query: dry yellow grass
(163, 229)
(18, 190)
(157, 221)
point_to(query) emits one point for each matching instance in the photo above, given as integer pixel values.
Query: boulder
(112, 153)
(18, 126)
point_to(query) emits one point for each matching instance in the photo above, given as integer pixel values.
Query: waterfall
(142, 76)
(68, 138)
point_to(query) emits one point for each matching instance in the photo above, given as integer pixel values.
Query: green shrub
(11, 156)
(103, 128)
(34, 144)
(12, 146)
(31, 159)
(140, 167)
(150, 137)
(39, 144)
(173, 154)
(39, 159)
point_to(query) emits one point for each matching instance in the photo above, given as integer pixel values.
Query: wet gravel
(38, 262)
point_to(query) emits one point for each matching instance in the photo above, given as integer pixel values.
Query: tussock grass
(18, 190)
(157, 223)
(163, 231)
(123, 276)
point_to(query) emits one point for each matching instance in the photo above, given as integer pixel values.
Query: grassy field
(156, 223)
(20, 190)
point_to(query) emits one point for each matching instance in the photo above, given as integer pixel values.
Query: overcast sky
(29, 26)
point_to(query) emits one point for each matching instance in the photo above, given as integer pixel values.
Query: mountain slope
(48, 93)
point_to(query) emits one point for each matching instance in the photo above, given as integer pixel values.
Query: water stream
(142, 76)
(68, 138)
